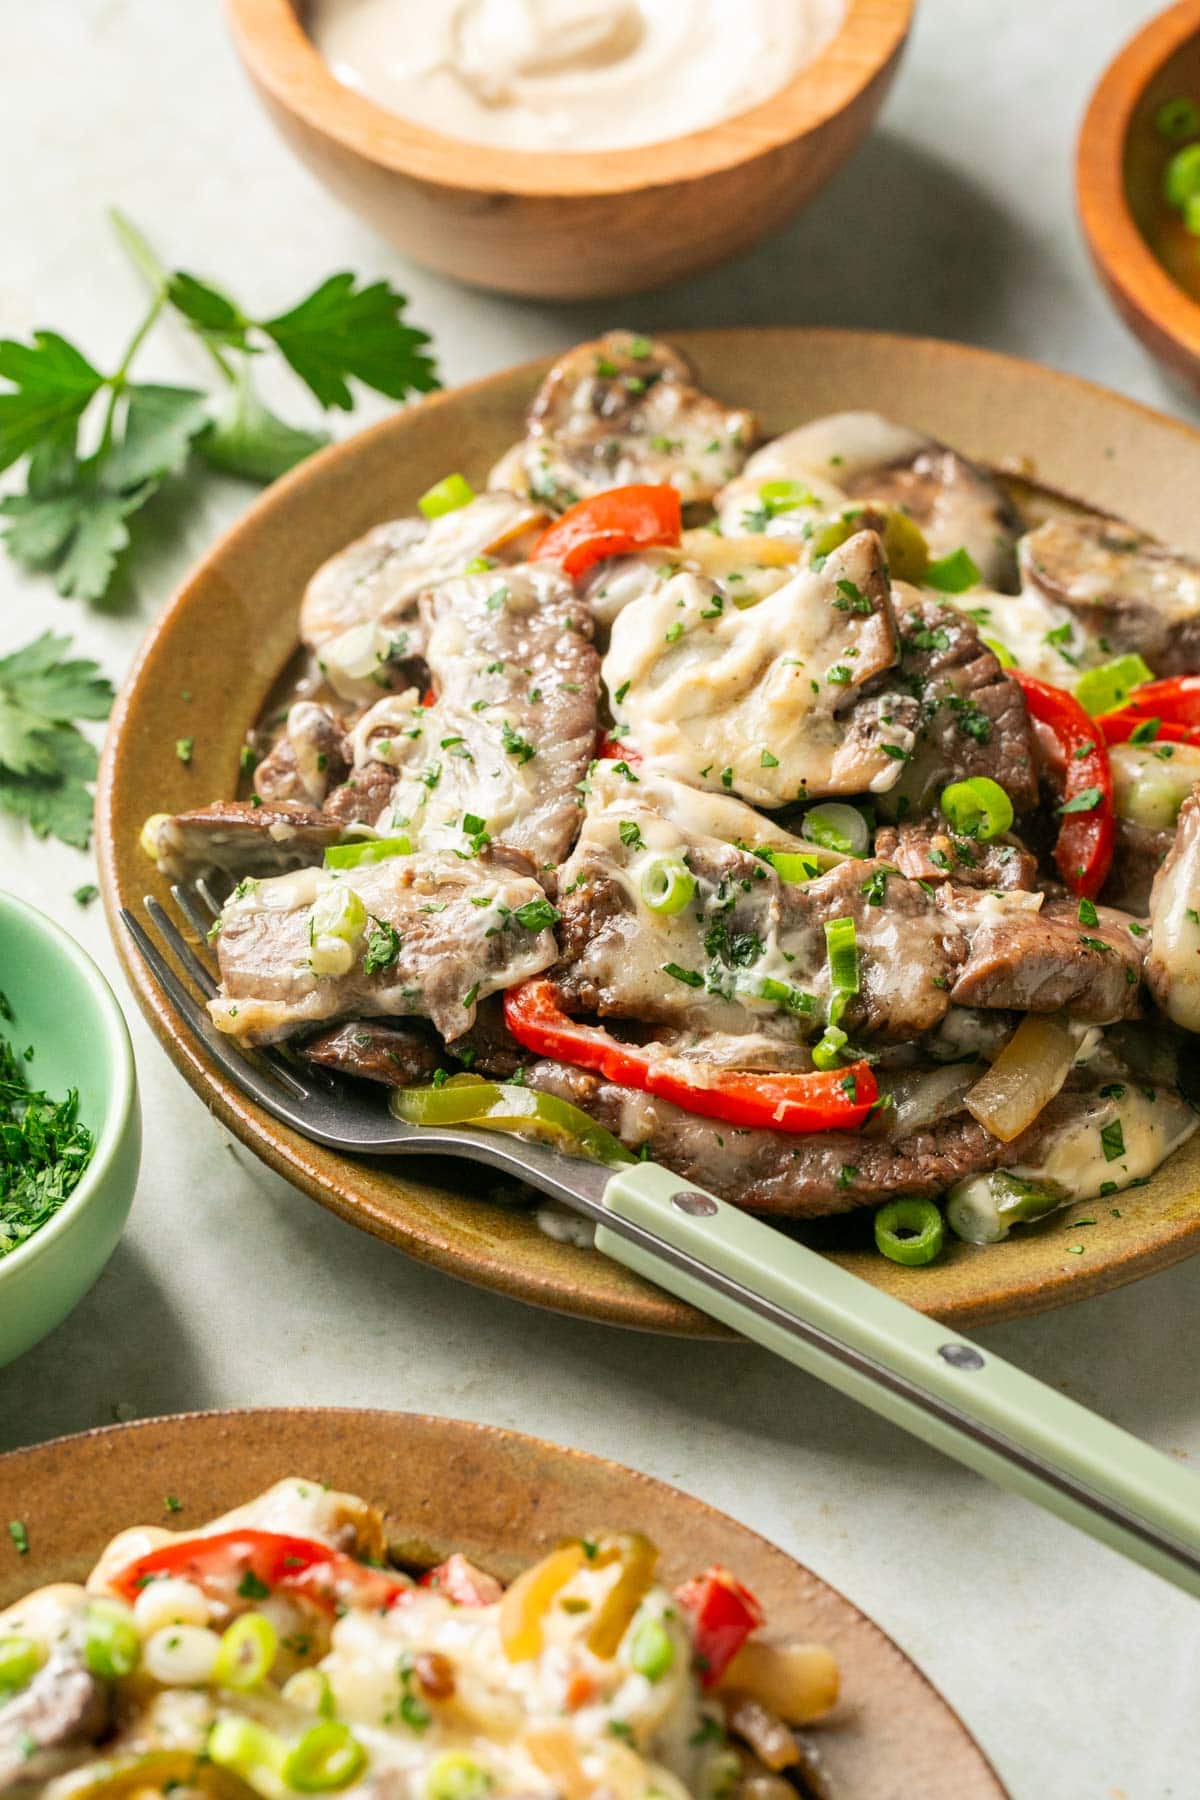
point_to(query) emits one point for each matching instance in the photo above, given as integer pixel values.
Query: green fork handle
(967, 1402)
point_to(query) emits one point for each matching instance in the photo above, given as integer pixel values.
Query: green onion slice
(1102, 690)
(446, 496)
(837, 827)
(112, 1647)
(667, 885)
(793, 865)
(249, 1750)
(366, 850)
(456, 1776)
(20, 1660)
(328, 1757)
(909, 1232)
(1181, 177)
(952, 574)
(841, 947)
(1178, 119)
(977, 808)
(247, 1651)
(652, 1653)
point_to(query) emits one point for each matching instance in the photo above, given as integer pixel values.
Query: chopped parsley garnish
(184, 747)
(621, 692)
(623, 768)
(1087, 914)
(44, 1151)
(630, 834)
(19, 1536)
(852, 599)
(1112, 1140)
(1146, 732)
(768, 761)
(537, 915)
(383, 946)
(689, 977)
(515, 744)
(1085, 801)
(251, 1588)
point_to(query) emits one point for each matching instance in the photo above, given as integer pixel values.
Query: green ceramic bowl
(63, 1006)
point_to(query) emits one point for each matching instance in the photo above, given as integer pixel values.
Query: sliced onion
(1024, 1078)
(921, 1100)
(837, 827)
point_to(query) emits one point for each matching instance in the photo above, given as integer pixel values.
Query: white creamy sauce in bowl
(569, 74)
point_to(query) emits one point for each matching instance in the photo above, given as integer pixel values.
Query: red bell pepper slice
(1172, 706)
(611, 749)
(1084, 851)
(826, 1100)
(462, 1582)
(611, 524)
(723, 1615)
(250, 1564)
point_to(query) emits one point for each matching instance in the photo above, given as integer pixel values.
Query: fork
(937, 1385)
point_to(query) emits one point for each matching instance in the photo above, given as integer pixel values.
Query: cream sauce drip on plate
(569, 74)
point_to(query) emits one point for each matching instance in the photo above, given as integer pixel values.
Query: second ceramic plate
(219, 647)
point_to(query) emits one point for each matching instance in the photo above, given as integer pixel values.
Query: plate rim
(644, 1307)
(12, 1462)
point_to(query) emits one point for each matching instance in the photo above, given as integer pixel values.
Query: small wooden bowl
(582, 225)
(1117, 172)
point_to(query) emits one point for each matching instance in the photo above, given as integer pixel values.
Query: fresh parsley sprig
(46, 762)
(71, 520)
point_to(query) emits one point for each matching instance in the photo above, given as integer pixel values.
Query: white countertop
(1077, 1672)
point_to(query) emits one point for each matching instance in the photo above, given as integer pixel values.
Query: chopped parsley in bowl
(70, 1133)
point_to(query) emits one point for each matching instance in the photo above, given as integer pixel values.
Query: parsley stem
(117, 380)
(140, 254)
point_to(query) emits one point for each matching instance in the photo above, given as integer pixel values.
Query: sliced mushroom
(1121, 585)
(308, 758)
(766, 701)
(861, 457)
(626, 409)
(359, 611)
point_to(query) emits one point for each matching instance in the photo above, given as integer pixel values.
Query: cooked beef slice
(747, 954)
(774, 702)
(1138, 855)
(441, 932)
(375, 582)
(398, 1055)
(48, 1725)
(626, 409)
(1173, 966)
(935, 853)
(861, 458)
(1042, 959)
(1122, 585)
(971, 717)
(308, 758)
(781, 1173)
(512, 729)
(234, 837)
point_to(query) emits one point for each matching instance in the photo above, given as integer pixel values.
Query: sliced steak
(234, 837)
(308, 759)
(371, 588)
(1122, 585)
(862, 457)
(933, 853)
(972, 717)
(513, 728)
(747, 954)
(775, 702)
(1041, 959)
(1173, 966)
(49, 1725)
(1138, 854)
(442, 931)
(375, 1050)
(626, 409)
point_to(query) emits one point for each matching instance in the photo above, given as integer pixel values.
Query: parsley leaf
(45, 760)
(52, 384)
(338, 331)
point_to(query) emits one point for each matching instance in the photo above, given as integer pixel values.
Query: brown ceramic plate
(231, 628)
(505, 1500)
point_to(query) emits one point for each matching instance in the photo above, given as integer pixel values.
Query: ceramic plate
(218, 648)
(505, 1500)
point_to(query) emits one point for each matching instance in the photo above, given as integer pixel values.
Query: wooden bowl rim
(283, 60)
(678, 1505)
(1122, 254)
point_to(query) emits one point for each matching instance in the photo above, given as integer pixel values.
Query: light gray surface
(1078, 1674)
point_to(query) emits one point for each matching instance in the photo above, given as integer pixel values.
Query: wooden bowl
(581, 225)
(1118, 169)
(216, 651)
(504, 1500)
